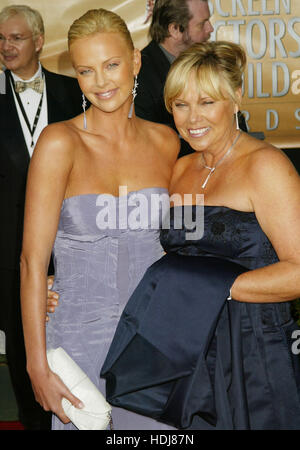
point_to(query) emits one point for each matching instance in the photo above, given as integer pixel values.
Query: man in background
(33, 97)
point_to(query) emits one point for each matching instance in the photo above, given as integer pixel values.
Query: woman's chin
(197, 146)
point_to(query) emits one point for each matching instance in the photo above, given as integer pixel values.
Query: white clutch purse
(96, 414)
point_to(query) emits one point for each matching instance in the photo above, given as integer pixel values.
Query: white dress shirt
(30, 100)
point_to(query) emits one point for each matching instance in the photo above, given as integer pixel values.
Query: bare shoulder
(265, 160)
(56, 141)
(271, 177)
(163, 137)
(56, 134)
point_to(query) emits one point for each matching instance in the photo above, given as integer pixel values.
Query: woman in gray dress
(74, 205)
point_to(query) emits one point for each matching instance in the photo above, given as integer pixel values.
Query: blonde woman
(74, 182)
(218, 364)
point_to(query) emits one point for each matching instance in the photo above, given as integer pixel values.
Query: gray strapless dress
(96, 271)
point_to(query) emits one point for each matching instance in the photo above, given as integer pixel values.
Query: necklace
(212, 169)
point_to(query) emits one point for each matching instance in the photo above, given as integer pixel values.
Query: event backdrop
(269, 30)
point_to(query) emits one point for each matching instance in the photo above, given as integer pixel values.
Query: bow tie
(37, 84)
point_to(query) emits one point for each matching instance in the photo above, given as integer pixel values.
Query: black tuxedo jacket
(149, 102)
(64, 102)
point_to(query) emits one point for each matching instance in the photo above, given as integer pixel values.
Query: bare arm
(274, 187)
(47, 181)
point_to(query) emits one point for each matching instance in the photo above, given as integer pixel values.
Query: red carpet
(11, 426)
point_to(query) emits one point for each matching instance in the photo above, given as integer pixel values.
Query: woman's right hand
(49, 390)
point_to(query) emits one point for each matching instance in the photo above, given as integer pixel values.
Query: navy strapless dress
(186, 356)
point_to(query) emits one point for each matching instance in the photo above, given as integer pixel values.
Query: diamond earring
(134, 94)
(84, 115)
(134, 90)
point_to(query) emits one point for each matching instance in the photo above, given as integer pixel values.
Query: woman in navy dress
(207, 340)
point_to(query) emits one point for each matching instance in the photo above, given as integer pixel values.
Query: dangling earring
(134, 94)
(237, 121)
(84, 115)
(134, 90)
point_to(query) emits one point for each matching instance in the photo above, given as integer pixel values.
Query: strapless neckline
(226, 232)
(215, 206)
(115, 196)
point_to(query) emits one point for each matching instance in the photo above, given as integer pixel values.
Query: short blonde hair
(98, 21)
(218, 66)
(32, 17)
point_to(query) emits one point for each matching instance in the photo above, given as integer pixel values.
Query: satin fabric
(96, 270)
(172, 383)
(186, 356)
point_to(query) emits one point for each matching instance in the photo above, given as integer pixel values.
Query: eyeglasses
(14, 40)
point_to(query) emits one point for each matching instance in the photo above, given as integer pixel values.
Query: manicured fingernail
(80, 405)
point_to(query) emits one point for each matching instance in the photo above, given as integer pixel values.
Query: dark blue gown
(186, 356)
